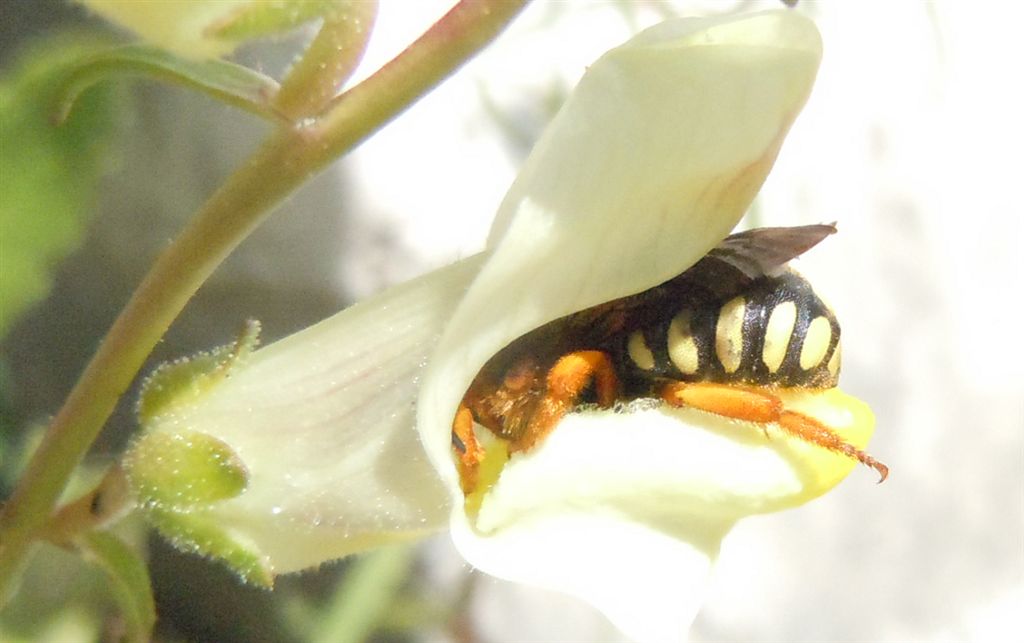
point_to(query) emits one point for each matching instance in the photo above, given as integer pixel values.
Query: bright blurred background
(912, 141)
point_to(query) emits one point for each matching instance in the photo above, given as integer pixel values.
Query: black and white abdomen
(764, 331)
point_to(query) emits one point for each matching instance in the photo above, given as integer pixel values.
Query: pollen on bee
(729, 334)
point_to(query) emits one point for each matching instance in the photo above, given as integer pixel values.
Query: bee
(722, 337)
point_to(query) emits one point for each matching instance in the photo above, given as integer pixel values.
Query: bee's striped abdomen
(727, 328)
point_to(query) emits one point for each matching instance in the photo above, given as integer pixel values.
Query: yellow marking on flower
(495, 458)
(818, 468)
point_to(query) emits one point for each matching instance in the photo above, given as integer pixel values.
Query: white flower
(649, 164)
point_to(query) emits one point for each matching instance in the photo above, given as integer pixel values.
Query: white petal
(628, 511)
(663, 465)
(648, 583)
(323, 421)
(651, 161)
(649, 164)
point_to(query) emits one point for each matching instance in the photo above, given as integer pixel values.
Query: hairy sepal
(323, 424)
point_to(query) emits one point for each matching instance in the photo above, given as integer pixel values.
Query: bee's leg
(810, 429)
(466, 448)
(566, 380)
(762, 407)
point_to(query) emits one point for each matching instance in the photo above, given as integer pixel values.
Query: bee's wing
(764, 251)
(755, 253)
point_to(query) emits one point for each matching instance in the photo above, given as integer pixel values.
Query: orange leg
(762, 407)
(566, 380)
(466, 447)
(563, 384)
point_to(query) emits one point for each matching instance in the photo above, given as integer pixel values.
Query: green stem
(365, 596)
(219, 226)
(463, 31)
(329, 61)
(276, 170)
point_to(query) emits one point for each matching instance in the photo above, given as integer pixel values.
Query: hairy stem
(283, 164)
(329, 61)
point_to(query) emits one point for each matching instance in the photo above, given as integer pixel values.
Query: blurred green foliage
(59, 600)
(48, 174)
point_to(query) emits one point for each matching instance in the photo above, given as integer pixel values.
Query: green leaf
(227, 82)
(129, 582)
(173, 385)
(49, 174)
(199, 534)
(185, 471)
(258, 19)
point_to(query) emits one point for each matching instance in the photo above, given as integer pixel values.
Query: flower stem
(460, 33)
(329, 61)
(284, 163)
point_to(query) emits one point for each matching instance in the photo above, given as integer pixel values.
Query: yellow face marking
(639, 352)
(816, 342)
(777, 335)
(836, 361)
(729, 334)
(682, 347)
